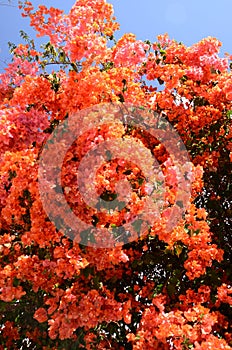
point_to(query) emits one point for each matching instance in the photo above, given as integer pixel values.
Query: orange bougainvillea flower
(41, 315)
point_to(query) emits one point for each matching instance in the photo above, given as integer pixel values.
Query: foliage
(162, 291)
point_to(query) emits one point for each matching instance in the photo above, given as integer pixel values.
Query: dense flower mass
(162, 289)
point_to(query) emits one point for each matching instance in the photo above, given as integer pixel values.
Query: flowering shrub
(163, 289)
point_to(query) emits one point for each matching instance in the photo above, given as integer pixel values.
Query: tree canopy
(163, 285)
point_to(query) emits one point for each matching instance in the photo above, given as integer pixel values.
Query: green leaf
(137, 225)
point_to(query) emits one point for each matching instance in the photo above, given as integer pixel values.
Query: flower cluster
(166, 286)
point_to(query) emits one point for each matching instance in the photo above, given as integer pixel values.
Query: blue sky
(185, 21)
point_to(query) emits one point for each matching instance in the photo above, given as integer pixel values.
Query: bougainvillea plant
(161, 290)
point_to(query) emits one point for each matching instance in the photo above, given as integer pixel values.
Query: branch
(74, 65)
